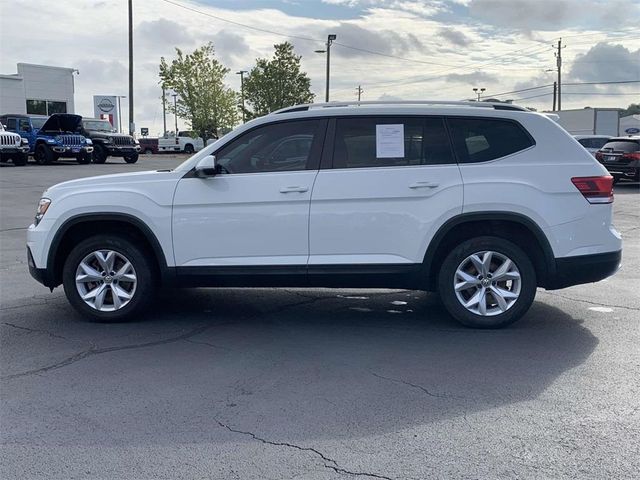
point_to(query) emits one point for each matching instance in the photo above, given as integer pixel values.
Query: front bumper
(122, 150)
(14, 150)
(65, 151)
(39, 274)
(584, 269)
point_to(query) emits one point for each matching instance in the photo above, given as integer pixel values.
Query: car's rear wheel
(487, 282)
(99, 154)
(148, 151)
(188, 148)
(108, 278)
(43, 155)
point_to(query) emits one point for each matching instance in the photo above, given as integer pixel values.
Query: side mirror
(206, 167)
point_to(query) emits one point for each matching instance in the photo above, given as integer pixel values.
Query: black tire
(131, 158)
(144, 271)
(20, 159)
(84, 158)
(188, 148)
(148, 151)
(99, 154)
(447, 279)
(44, 155)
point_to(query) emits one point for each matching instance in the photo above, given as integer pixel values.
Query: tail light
(595, 189)
(631, 156)
(598, 155)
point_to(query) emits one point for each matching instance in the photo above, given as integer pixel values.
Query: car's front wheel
(99, 154)
(43, 155)
(131, 158)
(108, 278)
(487, 282)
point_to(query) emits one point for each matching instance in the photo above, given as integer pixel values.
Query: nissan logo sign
(106, 105)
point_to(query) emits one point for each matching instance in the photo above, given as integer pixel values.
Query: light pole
(479, 91)
(120, 112)
(132, 125)
(330, 39)
(175, 110)
(164, 111)
(241, 73)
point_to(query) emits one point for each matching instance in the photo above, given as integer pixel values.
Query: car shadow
(294, 365)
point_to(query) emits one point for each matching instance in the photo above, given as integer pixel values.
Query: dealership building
(37, 89)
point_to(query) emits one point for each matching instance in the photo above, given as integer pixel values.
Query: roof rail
(309, 106)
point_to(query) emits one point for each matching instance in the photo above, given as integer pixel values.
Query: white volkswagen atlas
(481, 202)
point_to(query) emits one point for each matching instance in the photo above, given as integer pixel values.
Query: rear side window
(625, 146)
(484, 139)
(11, 124)
(390, 142)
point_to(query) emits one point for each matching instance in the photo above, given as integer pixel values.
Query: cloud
(162, 34)
(474, 77)
(229, 46)
(541, 15)
(383, 41)
(455, 36)
(606, 62)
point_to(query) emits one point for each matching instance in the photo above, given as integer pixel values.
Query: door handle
(293, 189)
(424, 185)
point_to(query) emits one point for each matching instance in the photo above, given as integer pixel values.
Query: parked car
(481, 202)
(13, 148)
(592, 143)
(27, 126)
(185, 142)
(60, 137)
(108, 143)
(621, 157)
(148, 145)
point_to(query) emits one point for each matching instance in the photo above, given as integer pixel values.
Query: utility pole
(241, 73)
(360, 91)
(559, 65)
(132, 125)
(555, 92)
(120, 113)
(164, 111)
(330, 39)
(175, 110)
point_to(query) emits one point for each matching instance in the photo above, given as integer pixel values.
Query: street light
(330, 39)
(241, 73)
(479, 91)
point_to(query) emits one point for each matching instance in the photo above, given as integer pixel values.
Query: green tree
(277, 83)
(204, 100)
(632, 109)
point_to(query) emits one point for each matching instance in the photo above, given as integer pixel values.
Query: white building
(631, 123)
(37, 89)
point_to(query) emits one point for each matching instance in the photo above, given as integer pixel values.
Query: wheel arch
(514, 227)
(83, 226)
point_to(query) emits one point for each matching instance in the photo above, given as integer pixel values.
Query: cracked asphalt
(313, 384)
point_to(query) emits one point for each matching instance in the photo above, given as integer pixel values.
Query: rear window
(626, 146)
(484, 139)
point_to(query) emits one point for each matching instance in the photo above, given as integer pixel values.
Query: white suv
(480, 202)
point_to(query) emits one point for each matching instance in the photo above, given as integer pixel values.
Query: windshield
(99, 125)
(37, 122)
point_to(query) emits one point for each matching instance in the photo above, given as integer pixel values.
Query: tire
(84, 158)
(137, 282)
(20, 159)
(99, 154)
(188, 148)
(148, 151)
(44, 155)
(519, 280)
(131, 158)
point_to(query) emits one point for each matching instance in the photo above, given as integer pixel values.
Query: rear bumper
(584, 269)
(630, 169)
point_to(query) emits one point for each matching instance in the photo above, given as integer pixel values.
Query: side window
(278, 147)
(484, 139)
(11, 124)
(585, 142)
(390, 142)
(24, 125)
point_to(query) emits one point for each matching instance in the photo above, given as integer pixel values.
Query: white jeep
(481, 202)
(13, 148)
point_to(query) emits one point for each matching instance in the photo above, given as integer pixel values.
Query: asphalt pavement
(313, 383)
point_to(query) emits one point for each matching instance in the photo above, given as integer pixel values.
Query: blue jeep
(27, 126)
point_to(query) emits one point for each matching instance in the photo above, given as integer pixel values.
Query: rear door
(392, 182)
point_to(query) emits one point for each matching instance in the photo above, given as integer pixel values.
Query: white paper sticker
(390, 141)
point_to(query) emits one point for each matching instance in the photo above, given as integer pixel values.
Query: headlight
(108, 140)
(88, 141)
(43, 206)
(52, 140)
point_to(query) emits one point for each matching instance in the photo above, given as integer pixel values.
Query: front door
(256, 212)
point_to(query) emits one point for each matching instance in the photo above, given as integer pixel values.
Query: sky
(394, 49)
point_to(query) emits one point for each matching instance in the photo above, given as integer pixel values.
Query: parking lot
(316, 383)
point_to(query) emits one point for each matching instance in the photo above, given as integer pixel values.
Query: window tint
(278, 147)
(598, 142)
(484, 139)
(423, 141)
(626, 146)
